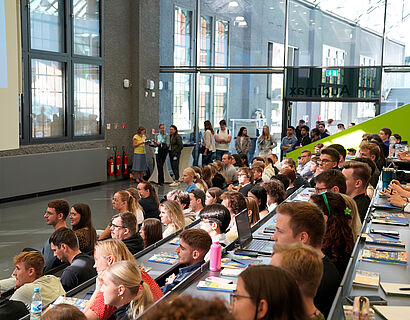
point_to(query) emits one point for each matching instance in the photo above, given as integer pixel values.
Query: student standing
(266, 142)
(222, 137)
(139, 164)
(243, 143)
(175, 148)
(209, 143)
(161, 152)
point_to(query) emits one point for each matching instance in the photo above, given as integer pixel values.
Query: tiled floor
(22, 224)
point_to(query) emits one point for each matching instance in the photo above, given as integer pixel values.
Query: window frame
(68, 59)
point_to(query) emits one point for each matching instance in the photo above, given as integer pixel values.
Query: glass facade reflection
(246, 42)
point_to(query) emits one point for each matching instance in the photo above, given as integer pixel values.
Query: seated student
(398, 195)
(283, 179)
(305, 265)
(139, 211)
(299, 181)
(354, 213)
(182, 197)
(151, 231)
(213, 195)
(124, 227)
(245, 178)
(342, 153)
(371, 151)
(270, 170)
(351, 152)
(27, 275)
(189, 307)
(338, 241)
(313, 167)
(193, 180)
(303, 167)
(357, 178)
(55, 216)
(106, 253)
(191, 251)
(235, 202)
(172, 217)
(197, 200)
(122, 201)
(275, 194)
(124, 289)
(230, 171)
(149, 200)
(259, 194)
(64, 243)
(257, 174)
(331, 180)
(215, 220)
(80, 220)
(304, 222)
(63, 311)
(372, 166)
(267, 292)
(291, 176)
(253, 210)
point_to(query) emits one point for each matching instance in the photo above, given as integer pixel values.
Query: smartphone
(374, 300)
(388, 232)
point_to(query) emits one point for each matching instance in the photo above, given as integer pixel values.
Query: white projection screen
(9, 74)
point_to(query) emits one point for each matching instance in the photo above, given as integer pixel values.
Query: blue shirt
(191, 187)
(289, 142)
(162, 139)
(184, 273)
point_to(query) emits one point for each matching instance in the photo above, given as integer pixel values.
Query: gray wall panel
(27, 174)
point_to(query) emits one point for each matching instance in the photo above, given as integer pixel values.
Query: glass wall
(235, 69)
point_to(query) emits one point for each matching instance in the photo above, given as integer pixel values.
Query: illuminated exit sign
(332, 73)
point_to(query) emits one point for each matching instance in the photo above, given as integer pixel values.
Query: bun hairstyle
(128, 274)
(196, 178)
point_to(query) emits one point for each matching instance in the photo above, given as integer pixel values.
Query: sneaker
(174, 184)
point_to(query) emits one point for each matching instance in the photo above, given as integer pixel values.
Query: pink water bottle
(216, 255)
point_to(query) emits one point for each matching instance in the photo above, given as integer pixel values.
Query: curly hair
(338, 241)
(275, 189)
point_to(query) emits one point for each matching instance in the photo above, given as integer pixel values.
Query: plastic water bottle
(36, 305)
(216, 255)
(392, 143)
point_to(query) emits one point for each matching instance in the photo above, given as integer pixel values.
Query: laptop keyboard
(257, 245)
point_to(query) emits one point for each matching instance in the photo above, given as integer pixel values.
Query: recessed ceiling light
(233, 4)
(240, 18)
(242, 24)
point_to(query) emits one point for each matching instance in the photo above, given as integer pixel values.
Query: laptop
(246, 242)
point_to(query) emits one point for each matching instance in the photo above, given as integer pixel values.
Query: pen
(237, 261)
(404, 289)
(390, 236)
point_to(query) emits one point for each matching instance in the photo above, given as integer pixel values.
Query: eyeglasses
(324, 196)
(115, 226)
(233, 297)
(324, 161)
(320, 189)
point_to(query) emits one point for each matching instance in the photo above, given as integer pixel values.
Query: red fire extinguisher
(118, 164)
(125, 159)
(110, 167)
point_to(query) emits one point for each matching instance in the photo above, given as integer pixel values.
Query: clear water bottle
(392, 143)
(36, 305)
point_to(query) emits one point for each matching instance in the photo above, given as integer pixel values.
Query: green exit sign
(332, 73)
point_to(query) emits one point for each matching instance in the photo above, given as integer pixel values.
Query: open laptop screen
(243, 227)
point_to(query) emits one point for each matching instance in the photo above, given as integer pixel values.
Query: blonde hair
(134, 193)
(128, 198)
(31, 259)
(196, 178)
(304, 263)
(253, 206)
(114, 248)
(218, 165)
(175, 213)
(354, 213)
(128, 274)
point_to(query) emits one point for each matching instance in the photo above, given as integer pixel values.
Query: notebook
(366, 279)
(246, 242)
(395, 221)
(393, 289)
(216, 286)
(384, 256)
(384, 240)
(392, 312)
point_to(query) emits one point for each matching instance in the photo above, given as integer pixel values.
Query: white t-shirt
(222, 135)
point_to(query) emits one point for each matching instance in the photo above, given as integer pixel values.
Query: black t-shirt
(150, 207)
(245, 189)
(300, 181)
(80, 270)
(362, 202)
(218, 181)
(328, 287)
(12, 310)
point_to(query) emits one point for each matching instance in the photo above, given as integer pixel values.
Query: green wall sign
(333, 83)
